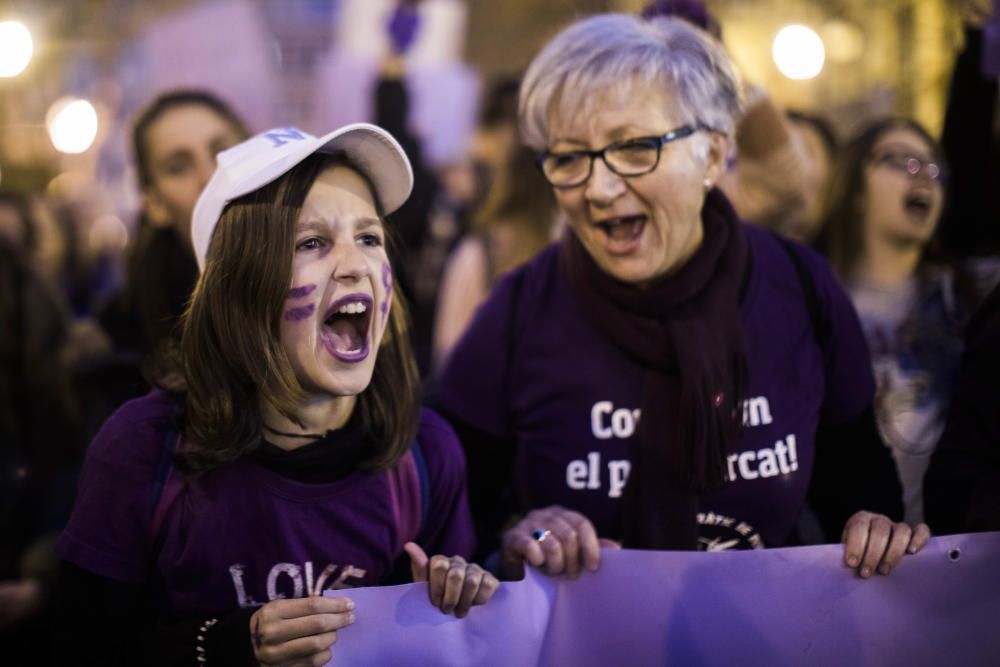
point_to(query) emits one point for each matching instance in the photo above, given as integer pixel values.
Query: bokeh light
(16, 48)
(72, 124)
(798, 52)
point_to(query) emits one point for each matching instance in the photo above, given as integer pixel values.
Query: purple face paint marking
(387, 284)
(300, 313)
(299, 292)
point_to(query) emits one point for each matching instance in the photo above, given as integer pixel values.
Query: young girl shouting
(297, 460)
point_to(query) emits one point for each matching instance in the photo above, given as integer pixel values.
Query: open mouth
(623, 229)
(346, 327)
(917, 204)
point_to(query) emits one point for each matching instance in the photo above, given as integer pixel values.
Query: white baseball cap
(263, 158)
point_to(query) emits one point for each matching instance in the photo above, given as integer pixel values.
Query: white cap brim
(267, 156)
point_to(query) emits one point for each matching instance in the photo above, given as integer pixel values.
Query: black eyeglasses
(911, 165)
(634, 157)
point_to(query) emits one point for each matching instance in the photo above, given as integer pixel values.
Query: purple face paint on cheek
(387, 284)
(299, 292)
(300, 313)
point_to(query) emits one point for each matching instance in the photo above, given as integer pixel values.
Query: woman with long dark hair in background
(883, 207)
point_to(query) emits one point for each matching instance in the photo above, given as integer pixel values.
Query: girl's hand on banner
(454, 585)
(298, 631)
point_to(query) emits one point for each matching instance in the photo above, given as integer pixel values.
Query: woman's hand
(553, 539)
(453, 585)
(299, 631)
(874, 543)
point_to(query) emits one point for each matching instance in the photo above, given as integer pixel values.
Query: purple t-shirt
(530, 367)
(243, 535)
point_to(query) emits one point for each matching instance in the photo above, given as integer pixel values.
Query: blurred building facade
(892, 56)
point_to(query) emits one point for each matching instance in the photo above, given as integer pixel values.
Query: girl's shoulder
(438, 442)
(135, 434)
(109, 530)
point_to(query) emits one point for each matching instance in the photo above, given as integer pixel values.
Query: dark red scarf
(685, 331)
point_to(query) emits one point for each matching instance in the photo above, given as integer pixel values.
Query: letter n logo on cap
(283, 136)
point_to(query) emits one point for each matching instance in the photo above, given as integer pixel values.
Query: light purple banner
(796, 606)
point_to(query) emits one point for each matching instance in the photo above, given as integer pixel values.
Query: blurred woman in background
(40, 445)
(174, 140)
(883, 206)
(513, 224)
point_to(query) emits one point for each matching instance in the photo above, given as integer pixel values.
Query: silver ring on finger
(541, 535)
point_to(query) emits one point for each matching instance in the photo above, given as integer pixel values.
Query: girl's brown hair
(231, 345)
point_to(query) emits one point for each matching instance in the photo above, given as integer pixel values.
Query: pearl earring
(707, 183)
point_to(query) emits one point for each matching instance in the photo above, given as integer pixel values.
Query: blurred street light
(72, 124)
(798, 52)
(15, 48)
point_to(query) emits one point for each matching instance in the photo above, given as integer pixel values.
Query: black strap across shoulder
(820, 325)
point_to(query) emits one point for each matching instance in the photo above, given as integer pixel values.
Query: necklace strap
(309, 436)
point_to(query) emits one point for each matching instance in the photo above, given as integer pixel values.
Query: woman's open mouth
(346, 326)
(917, 205)
(622, 232)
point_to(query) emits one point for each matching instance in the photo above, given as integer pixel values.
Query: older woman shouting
(663, 376)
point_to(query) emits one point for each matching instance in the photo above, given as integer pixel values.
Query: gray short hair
(608, 51)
